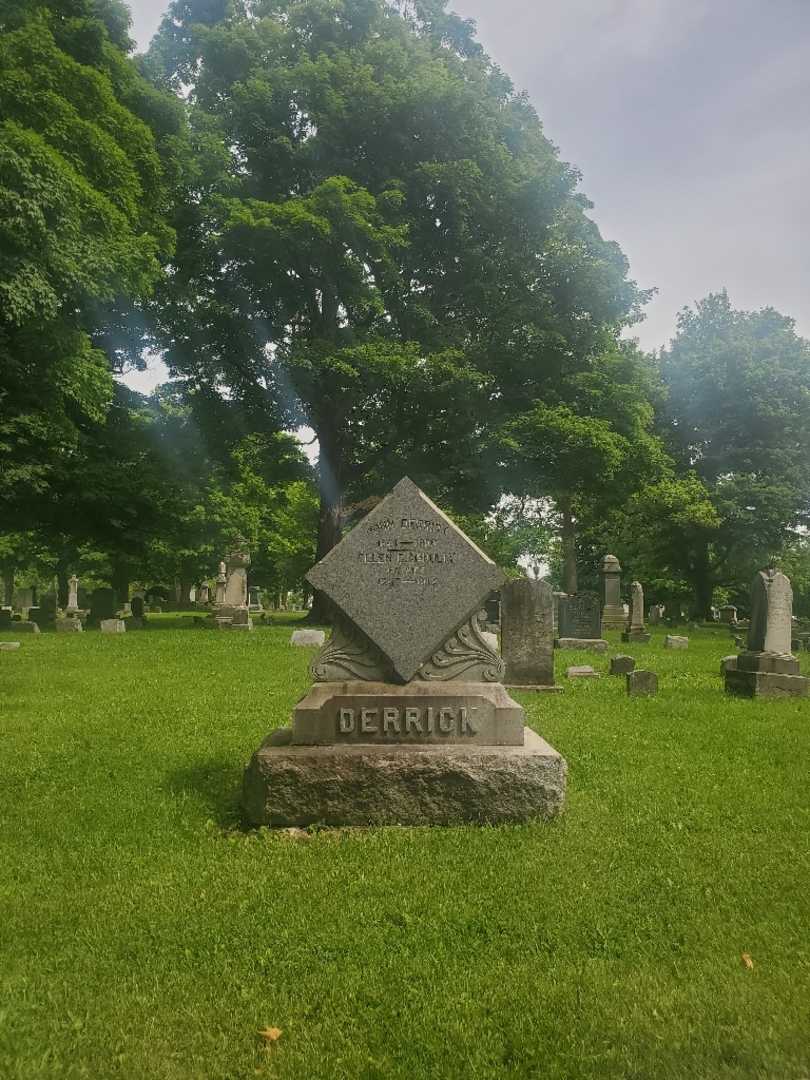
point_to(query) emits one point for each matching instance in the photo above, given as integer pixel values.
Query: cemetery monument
(407, 721)
(768, 668)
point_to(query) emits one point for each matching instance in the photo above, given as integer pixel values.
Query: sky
(689, 122)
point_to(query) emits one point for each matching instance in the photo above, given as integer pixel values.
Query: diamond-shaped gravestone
(407, 577)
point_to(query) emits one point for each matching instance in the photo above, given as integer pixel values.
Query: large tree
(737, 416)
(380, 242)
(88, 153)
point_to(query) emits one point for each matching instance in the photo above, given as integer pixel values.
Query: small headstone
(642, 683)
(68, 626)
(137, 607)
(9, 646)
(622, 665)
(6, 618)
(581, 672)
(597, 645)
(578, 616)
(113, 626)
(202, 593)
(728, 663)
(25, 627)
(308, 637)
(673, 641)
(527, 633)
(728, 614)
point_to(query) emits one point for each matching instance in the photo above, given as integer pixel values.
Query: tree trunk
(120, 582)
(329, 535)
(702, 584)
(8, 586)
(569, 547)
(62, 584)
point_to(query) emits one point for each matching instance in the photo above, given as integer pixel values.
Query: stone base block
(113, 626)
(764, 684)
(535, 688)
(639, 636)
(68, 626)
(363, 784)
(598, 645)
(24, 626)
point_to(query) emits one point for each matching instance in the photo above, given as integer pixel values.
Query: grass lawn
(143, 935)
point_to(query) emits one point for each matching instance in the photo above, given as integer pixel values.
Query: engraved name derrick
(390, 720)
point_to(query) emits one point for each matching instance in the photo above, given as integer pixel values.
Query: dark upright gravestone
(527, 633)
(407, 721)
(579, 623)
(45, 615)
(103, 605)
(579, 616)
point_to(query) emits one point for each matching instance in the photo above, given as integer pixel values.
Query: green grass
(144, 935)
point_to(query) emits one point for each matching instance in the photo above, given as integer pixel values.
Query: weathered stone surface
(491, 640)
(466, 655)
(404, 785)
(728, 614)
(613, 615)
(427, 713)
(622, 665)
(73, 594)
(771, 628)
(597, 645)
(764, 684)
(407, 577)
(103, 605)
(9, 646)
(308, 638)
(68, 626)
(728, 663)
(113, 626)
(673, 641)
(25, 627)
(527, 632)
(579, 616)
(581, 672)
(236, 588)
(642, 683)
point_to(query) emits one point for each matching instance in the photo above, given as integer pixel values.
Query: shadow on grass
(217, 785)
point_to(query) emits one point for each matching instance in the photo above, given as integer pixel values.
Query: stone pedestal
(68, 626)
(766, 675)
(641, 637)
(472, 714)
(403, 785)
